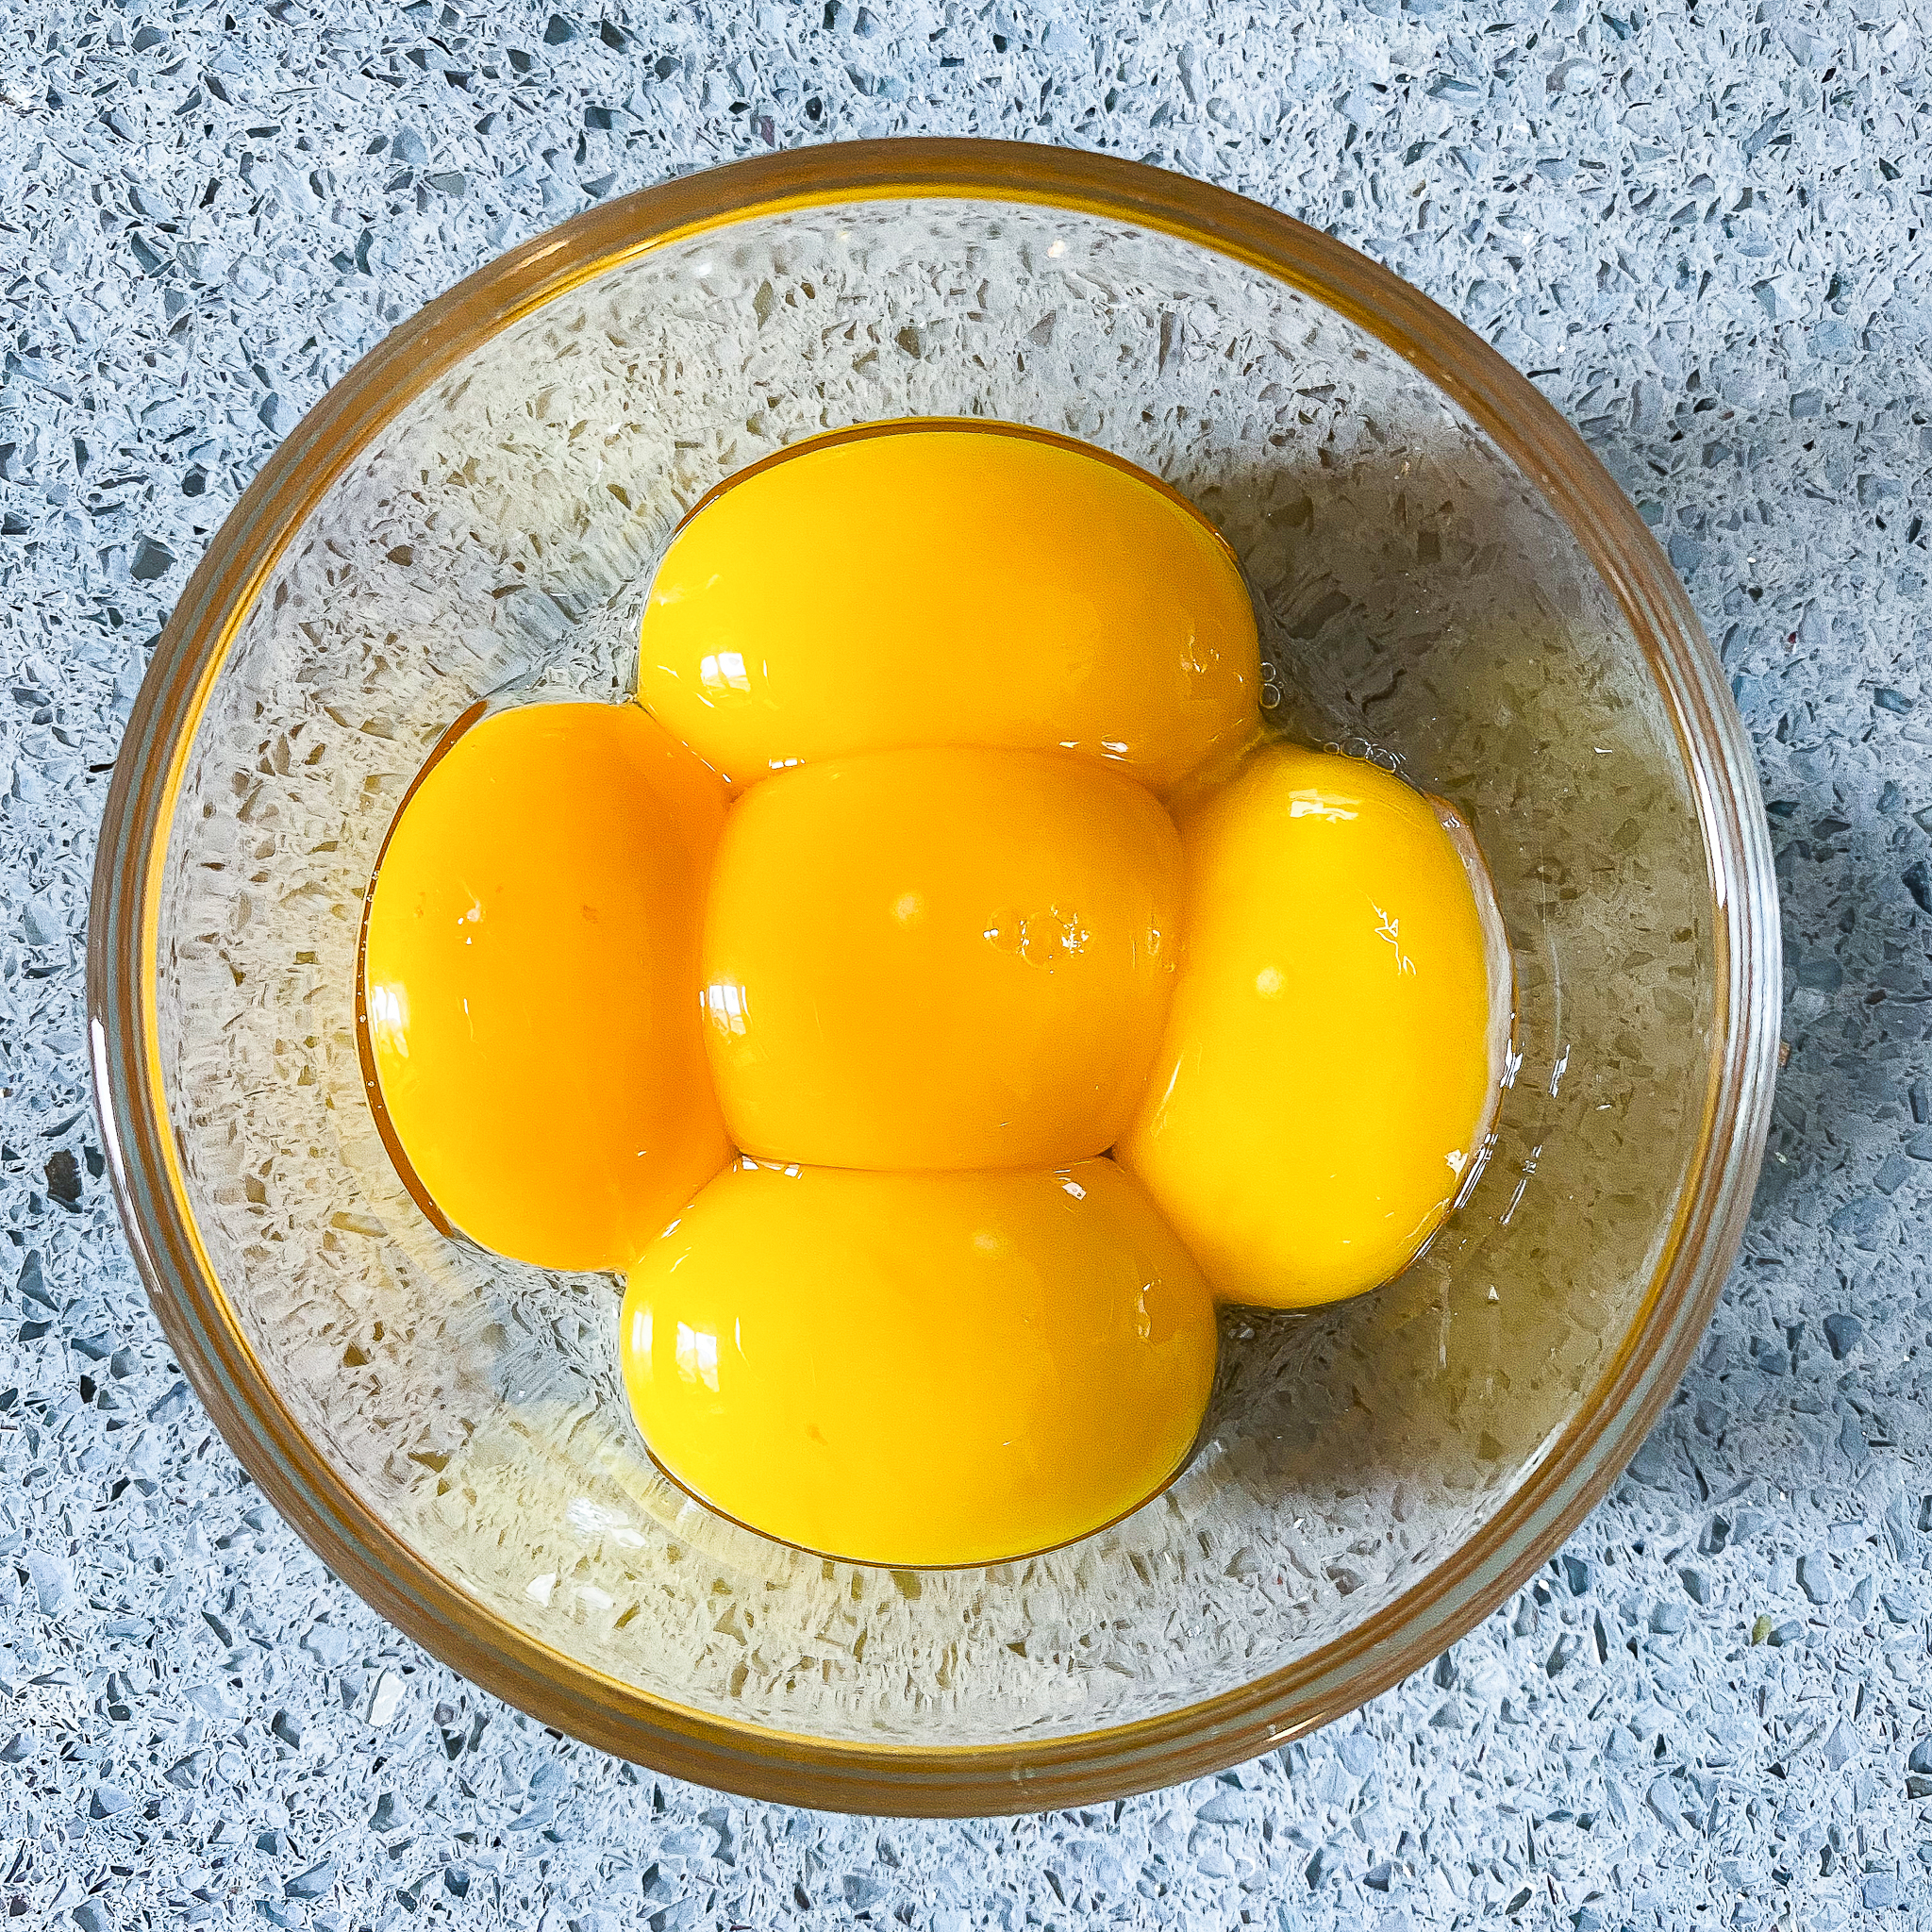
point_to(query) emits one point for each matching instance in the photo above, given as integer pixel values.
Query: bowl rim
(1577, 1466)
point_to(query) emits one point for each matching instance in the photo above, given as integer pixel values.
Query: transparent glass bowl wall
(457, 1422)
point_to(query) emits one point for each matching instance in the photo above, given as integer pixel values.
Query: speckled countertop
(1703, 229)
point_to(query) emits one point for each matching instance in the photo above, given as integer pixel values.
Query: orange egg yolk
(529, 982)
(919, 1368)
(939, 959)
(950, 583)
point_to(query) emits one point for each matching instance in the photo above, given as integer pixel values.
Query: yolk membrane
(918, 1369)
(950, 583)
(939, 959)
(529, 974)
(1331, 1051)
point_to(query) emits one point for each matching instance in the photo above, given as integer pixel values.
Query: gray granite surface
(1703, 228)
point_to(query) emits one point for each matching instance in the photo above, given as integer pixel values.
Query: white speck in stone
(213, 1700)
(52, 1578)
(385, 1700)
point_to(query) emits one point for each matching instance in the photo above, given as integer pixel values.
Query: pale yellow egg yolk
(918, 1369)
(950, 583)
(1332, 1050)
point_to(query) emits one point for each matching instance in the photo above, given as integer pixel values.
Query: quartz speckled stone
(1701, 231)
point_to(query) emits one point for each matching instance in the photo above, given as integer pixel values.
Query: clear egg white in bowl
(1446, 582)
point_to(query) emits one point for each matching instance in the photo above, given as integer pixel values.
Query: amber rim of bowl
(1576, 1468)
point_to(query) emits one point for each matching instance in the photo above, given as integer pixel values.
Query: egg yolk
(918, 1369)
(950, 583)
(528, 981)
(945, 950)
(1330, 1058)
(939, 959)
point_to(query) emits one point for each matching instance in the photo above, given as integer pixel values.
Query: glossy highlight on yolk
(529, 963)
(1333, 1047)
(939, 959)
(923, 1369)
(950, 583)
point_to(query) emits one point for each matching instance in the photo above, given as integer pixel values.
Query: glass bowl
(1448, 582)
